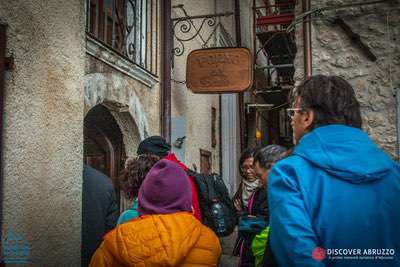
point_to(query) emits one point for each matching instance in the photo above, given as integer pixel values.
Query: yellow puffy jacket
(177, 239)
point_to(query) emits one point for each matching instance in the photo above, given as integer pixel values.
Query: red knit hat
(166, 189)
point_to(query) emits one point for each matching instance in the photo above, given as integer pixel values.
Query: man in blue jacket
(336, 200)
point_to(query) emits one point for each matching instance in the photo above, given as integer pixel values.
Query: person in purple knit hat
(163, 191)
(166, 233)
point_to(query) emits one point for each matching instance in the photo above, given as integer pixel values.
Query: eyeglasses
(291, 111)
(244, 169)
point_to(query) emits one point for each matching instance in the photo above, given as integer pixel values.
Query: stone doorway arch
(119, 98)
(118, 95)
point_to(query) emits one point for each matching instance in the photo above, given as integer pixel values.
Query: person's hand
(238, 204)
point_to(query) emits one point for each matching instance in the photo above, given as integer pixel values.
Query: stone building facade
(68, 88)
(375, 82)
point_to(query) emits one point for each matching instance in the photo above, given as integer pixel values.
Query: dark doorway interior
(103, 145)
(275, 52)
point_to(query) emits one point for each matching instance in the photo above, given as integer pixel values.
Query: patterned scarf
(247, 189)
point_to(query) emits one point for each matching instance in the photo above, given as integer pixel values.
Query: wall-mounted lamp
(179, 142)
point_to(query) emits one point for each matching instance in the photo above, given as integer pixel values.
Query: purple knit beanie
(166, 189)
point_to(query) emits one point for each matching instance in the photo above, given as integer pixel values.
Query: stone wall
(374, 82)
(105, 84)
(43, 129)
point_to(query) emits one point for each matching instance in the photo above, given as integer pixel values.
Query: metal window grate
(129, 27)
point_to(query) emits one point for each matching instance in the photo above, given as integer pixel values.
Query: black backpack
(211, 187)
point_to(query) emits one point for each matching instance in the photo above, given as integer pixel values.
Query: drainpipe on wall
(241, 95)
(3, 43)
(307, 40)
(166, 59)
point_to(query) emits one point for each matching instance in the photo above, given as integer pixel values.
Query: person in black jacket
(99, 211)
(257, 215)
(249, 181)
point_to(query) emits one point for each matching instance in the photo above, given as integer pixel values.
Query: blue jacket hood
(345, 153)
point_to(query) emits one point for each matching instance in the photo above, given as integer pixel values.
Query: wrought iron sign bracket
(185, 29)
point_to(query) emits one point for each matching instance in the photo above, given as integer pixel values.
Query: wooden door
(103, 144)
(99, 152)
(205, 161)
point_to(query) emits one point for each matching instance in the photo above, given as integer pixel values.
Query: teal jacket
(130, 213)
(338, 190)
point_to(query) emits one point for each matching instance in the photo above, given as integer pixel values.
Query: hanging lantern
(258, 135)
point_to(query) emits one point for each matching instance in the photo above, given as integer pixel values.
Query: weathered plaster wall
(43, 128)
(374, 82)
(104, 83)
(112, 87)
(196, 108)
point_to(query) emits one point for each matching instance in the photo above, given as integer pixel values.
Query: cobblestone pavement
(228, 261)
(227, 243)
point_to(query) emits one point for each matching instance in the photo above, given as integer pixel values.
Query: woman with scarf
(256, 219)
(249, 181)
(247, 186)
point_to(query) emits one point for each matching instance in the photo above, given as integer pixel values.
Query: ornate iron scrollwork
(133, 29)
(124, 28)
(185, 29)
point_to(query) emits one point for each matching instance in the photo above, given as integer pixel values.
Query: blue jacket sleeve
(129, 214)
(292, 237)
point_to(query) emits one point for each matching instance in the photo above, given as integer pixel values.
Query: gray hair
(269, 154)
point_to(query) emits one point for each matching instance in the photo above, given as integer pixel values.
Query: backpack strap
(251, 202)
(203, 181)
(190, 172)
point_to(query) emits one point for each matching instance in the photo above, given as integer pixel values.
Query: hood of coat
(346, 153)
(154, 240)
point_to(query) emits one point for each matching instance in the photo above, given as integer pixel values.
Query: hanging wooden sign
(219, 70)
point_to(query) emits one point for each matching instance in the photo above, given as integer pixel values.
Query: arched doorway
(103, 142)
(111, 135)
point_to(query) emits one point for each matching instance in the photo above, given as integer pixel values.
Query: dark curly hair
(136, 169)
